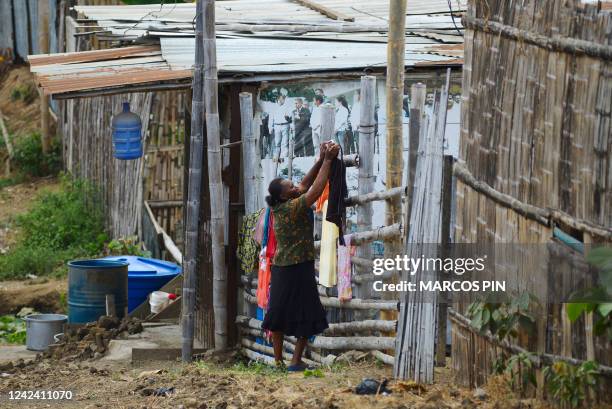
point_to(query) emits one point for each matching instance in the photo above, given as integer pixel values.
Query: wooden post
(43, 46)
(367, 126)
(111, 310)
(250, 155)
(215, 180)
(328, 118)
(395, 147)
(418, 93)
(192, 208)
(447, 187)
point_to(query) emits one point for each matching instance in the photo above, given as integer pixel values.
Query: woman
(294, 307)
(341, 122)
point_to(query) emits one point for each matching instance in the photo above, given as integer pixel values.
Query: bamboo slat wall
(536, 121)
(89, 156)
(88, 151)
(537, 98)
(165, 160)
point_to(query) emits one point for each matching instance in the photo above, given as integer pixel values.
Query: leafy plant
(314, 373)
(126, 246)
(60, 226)
(24, 92)
(521, 371)
(28, 157)
(570, 384)
(596, 299)
(503, 319)
(12, 330)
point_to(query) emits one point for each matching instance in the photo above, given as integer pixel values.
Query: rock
(107, 322)
(480, 394)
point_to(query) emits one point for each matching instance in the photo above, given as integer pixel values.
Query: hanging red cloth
(321, 200)
(266, 255)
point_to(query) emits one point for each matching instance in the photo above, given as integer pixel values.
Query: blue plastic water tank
(127, 134)
(89, 281)
(145, 275)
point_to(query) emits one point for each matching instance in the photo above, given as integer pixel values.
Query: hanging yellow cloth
(328, 259)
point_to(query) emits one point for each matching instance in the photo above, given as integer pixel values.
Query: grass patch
(60, 226)
(28, 158)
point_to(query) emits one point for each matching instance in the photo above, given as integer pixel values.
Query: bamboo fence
(534, 156)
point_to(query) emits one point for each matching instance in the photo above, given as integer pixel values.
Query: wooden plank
(326, 11)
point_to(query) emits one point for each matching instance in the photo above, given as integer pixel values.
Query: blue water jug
(127, 132)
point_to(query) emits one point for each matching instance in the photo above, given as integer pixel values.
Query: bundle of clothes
(257, 242)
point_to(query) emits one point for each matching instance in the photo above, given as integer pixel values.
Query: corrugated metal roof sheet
(254, 37)
(274, 15)
(256, 55)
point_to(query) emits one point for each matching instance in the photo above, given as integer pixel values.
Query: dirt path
(44, 295)
(223, 386)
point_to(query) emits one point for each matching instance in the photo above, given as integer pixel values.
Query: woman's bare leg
(299, 350)
(277, 342)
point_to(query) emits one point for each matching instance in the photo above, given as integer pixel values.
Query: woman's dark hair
(343, 101)
(275, 189)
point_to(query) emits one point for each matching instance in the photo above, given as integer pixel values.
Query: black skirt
(294, 307)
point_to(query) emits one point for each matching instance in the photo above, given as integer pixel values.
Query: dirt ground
(21, 117)
(221, 385)
(44, 295)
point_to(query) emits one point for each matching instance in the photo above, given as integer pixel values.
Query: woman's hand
(322, 150)
(332, 151)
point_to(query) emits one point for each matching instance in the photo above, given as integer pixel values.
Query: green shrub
(126, 246)
(60, 226)
(24, 260)
(29, 160)
(65, 219)
(24, 92)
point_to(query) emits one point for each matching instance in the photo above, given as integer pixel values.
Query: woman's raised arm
(318, 186)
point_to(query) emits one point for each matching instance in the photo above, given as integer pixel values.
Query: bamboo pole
(447, 186)
(261, 348)
(328, 118)
(418, 92)
(366, 178)
(416, 326)
(361, 343)
(250, 158)
(43, 46)
(383, 233)
(7, 142)
(215, 182)
(289, 343)
(395, 146)
(355, 303)
(334, 329)
(364, 199)
(192, 208)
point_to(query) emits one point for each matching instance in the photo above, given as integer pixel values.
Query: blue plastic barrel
(89, 281)
(127, 132)
(145, 275)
